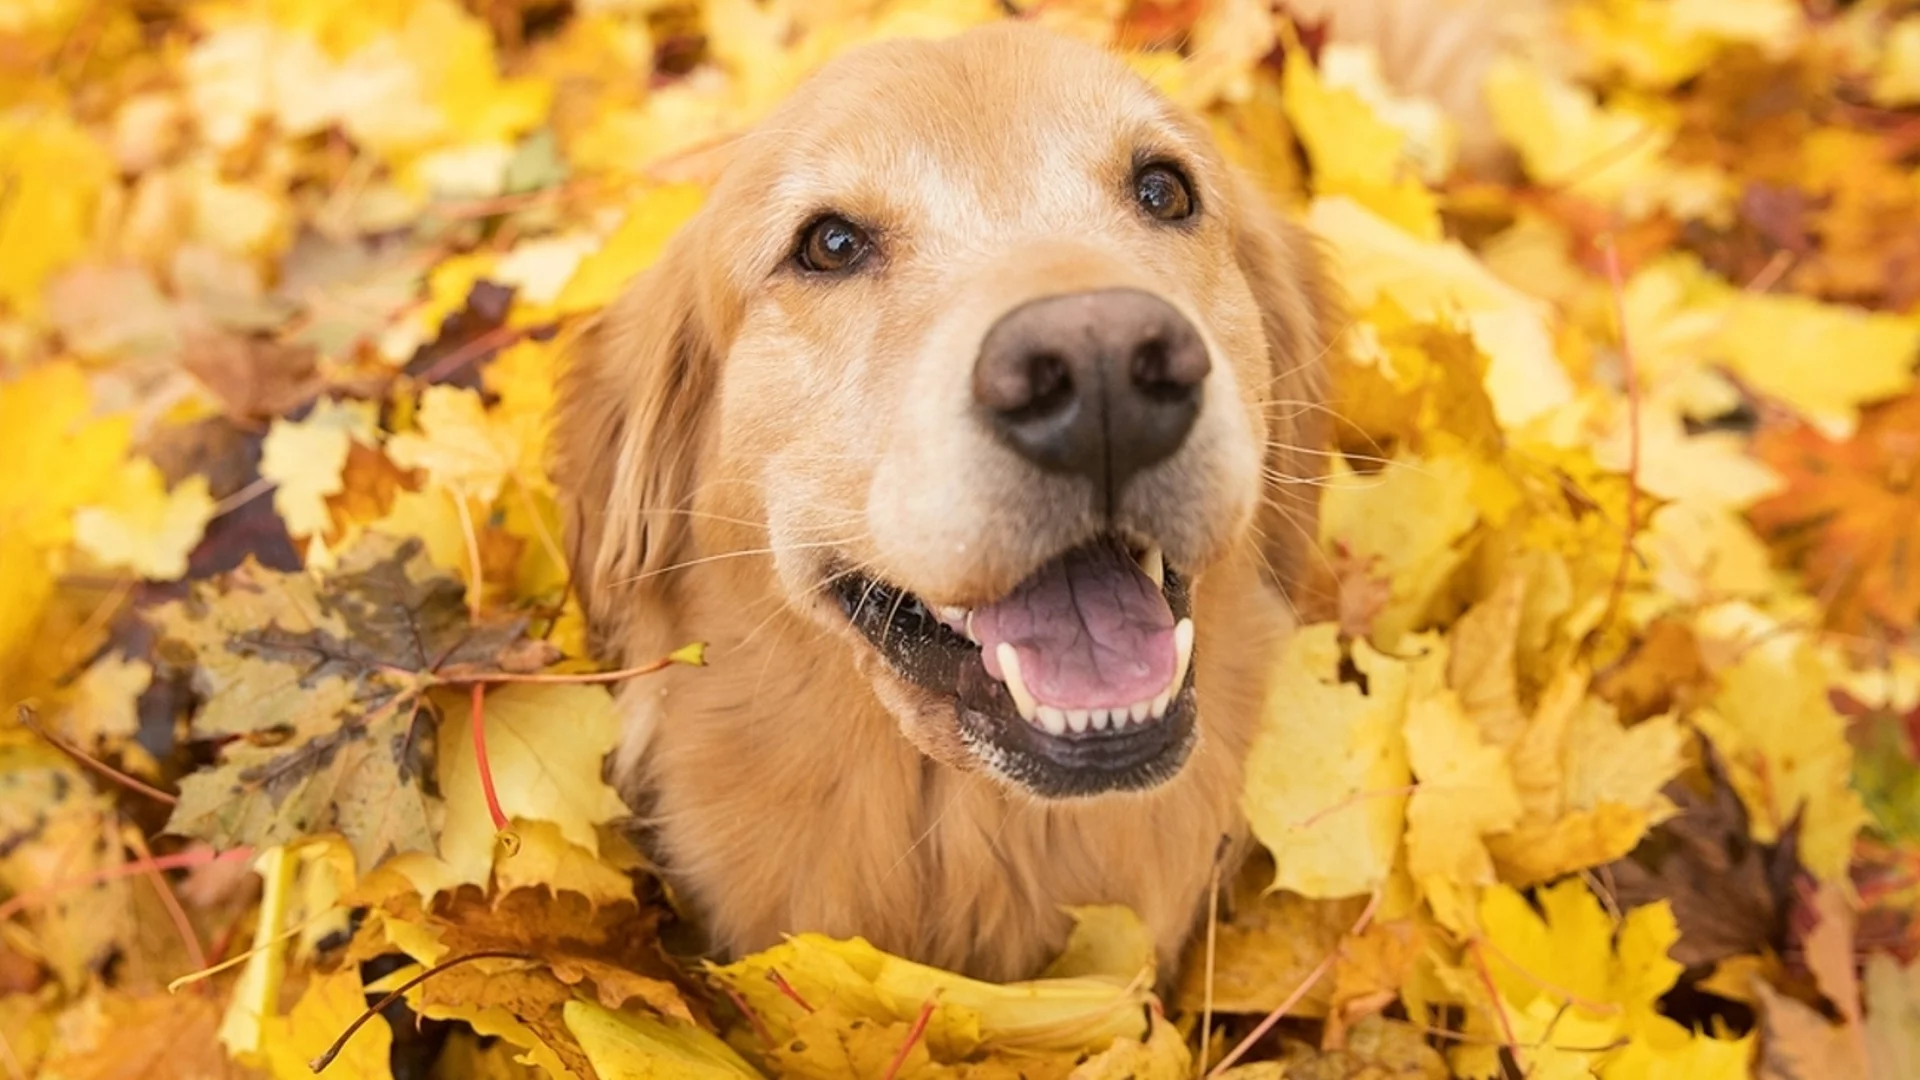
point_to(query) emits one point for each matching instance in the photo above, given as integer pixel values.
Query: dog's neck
(780, 795)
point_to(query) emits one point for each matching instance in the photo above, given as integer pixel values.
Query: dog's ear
(1301, 313)
(628, 427)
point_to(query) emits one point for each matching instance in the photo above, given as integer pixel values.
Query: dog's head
(990, 353)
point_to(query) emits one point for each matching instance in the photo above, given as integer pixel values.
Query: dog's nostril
(1152, 371)
(1051, 383)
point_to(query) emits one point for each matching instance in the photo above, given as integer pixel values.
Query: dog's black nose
(1101, 384)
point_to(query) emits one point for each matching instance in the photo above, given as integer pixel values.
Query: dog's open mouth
(1075, 683)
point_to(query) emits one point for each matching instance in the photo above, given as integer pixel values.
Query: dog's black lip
(921, 649)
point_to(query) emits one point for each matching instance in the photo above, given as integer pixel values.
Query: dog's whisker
(742, 554)
(1355, 482)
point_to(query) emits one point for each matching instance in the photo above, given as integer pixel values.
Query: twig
(914, 1033)
(780, 982)
(320, 1063)
(31, 723)
(1313, 977)
(204, 857)
(1206, 1004)
(682, 656)
(1512, 1043)
(477, 721)
(196, 953)
(224, 963)
(495, 339)
(260, 486)
(1353, 800)
(753, 1018)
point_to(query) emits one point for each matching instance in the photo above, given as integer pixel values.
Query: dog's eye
(832, 245)
(1163, 192)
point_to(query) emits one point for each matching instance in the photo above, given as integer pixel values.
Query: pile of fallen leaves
(1603, 765)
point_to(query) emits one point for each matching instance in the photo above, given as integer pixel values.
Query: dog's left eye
(832, 245)
(1163, 192)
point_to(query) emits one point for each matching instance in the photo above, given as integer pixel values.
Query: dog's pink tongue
(1091, 630)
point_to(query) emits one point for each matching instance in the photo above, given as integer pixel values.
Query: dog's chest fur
(781, 797)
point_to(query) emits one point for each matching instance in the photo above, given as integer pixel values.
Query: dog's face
(986, 346)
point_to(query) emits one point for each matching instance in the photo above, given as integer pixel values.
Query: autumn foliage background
(1603, 764)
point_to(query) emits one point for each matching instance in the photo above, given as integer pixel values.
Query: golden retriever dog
(973, 422)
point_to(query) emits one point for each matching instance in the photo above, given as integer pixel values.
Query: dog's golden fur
(728, 426)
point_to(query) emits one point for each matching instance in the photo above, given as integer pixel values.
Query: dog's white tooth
(1010, 671)
(1182, 653)
(969, 624)
(1052, 719)
(1077, 719)
(1097, 719)
(1159, 706)
(1153, 563)
(1141, 710)
(952, 614)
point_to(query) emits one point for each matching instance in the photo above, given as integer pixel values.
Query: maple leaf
(142, 526)
(1323, 772)
(1846, 517)
(130, 1038)
(1786, 751)
(1082, 1013)
(628, 1046)
(542, 779)
(564, 942)
(305, 461)
(1267, 942)
(1465, 791)
(1729, 893)
(322, 681)
(1353, 150)
(327, 1005)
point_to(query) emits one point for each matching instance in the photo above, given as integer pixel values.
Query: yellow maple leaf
(1570, 982)
(54, 175)
(1566, 139)
(1660, 43)
(1786, 750)
(633, 247)
(1323, 772)
(305, 460)
(1465, 791)
(537, 777)
(1824, 359)
(1407, 520)
(1438, 280)
(1082, 1013)
(1353, 151)
(462, 448)
(633, 1046)
(143, 527)
(330, 1002)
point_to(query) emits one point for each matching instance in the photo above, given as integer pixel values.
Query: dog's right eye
(832, 245)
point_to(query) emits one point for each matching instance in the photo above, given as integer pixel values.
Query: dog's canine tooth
(969, 626)
(1153, 563)
(1052, 719)
(1159, 706)
(1140, 710)
(1077, 719)
(1182, 653)
(1010, 671)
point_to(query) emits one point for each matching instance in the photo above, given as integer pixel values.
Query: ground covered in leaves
(1602, 764)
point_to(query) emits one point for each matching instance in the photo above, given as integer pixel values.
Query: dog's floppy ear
(629, 423)
(1300, 312)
